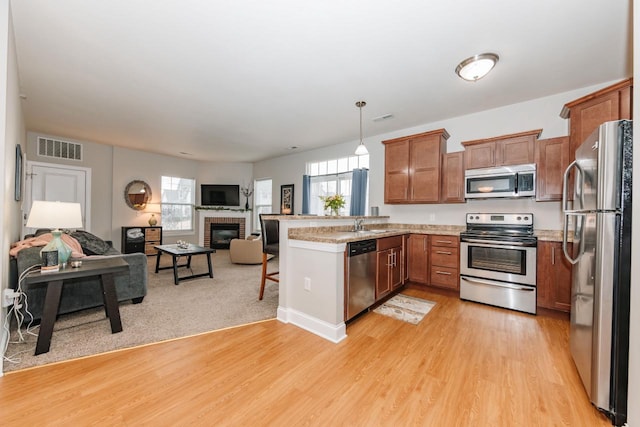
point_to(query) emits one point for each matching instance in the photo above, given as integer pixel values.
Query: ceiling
(234, 80)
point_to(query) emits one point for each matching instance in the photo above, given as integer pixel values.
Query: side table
(104, 268)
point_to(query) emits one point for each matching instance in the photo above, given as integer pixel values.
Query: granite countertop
(549, 235)
(342, 234)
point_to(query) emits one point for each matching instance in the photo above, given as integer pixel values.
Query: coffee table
(176, 252)
(104, 268)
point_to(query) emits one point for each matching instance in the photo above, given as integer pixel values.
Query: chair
(270, 246)
(246, 251)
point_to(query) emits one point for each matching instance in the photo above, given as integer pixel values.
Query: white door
(61, 183)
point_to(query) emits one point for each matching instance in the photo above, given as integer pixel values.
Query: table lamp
(55, 215)
(153, 209)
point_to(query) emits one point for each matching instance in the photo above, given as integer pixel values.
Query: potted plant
(333, 203)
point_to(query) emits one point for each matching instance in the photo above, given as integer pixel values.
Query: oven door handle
(492, 244)
(499, 285)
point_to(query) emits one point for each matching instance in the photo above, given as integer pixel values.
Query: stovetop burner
(500, 227)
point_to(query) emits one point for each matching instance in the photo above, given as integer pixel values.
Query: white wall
(98, 158)
(12, 132)
(542, 113)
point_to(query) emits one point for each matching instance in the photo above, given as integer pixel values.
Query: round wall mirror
(137, 195)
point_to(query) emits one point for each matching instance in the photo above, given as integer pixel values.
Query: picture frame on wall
(18, 174)
(286, 199)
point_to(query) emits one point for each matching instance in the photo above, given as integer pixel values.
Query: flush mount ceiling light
(477, 66)
(361, 150)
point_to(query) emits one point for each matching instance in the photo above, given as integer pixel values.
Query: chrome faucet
(357, 226)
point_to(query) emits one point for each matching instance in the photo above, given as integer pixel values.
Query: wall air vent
(59, 149)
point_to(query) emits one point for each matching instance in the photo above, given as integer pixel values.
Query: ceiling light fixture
(361, 150)
(477, 66)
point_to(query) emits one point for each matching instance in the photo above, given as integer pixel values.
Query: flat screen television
(219, 195)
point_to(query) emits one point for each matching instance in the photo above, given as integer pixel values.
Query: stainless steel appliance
(503, 181)
(361, 286)
(601, 258)
(498, 261)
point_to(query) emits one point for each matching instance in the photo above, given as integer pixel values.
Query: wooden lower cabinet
(434, 260)
(389, 266)
(418, 258)
(444, 261)
(553, 277)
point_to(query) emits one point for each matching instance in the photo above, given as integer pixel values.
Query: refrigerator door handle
(565, 184)
(565, 233)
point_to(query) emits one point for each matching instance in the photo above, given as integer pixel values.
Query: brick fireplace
(206, 227)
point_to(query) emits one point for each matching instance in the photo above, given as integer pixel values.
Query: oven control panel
(500, 218)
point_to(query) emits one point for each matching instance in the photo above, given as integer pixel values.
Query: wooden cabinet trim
(566, 109)
(443, 131)
(534, 133)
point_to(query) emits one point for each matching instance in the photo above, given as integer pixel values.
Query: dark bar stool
(270, 246)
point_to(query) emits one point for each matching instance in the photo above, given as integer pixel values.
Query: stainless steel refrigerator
(600, 252)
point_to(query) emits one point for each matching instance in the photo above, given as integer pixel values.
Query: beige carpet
(168, 311)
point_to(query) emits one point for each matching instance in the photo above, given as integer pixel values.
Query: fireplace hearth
(220, 235)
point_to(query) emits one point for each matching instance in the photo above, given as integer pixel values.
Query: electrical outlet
(8, 295)
(307, 284)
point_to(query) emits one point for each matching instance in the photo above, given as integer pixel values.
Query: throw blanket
(42, 240)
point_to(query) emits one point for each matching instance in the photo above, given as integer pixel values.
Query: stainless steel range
(498, 261)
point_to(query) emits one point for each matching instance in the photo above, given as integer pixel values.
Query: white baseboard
(326, 330)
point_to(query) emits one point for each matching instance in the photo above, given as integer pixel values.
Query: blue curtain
(359, 192)
(306, 193)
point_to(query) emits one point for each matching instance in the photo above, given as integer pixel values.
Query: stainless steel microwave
(502, 181)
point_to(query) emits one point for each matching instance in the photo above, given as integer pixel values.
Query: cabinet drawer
(389, 242)
(444, 276)
(440, 240)
(149, 248)
(444, 256)
(152, 234)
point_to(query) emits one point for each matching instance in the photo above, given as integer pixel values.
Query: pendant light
(361, 150)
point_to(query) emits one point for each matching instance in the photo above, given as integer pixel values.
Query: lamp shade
(58, 215)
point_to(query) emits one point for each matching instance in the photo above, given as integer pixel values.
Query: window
(178, 200)
(331, 177)
(262, 200)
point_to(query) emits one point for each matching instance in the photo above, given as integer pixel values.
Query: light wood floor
(465, 364)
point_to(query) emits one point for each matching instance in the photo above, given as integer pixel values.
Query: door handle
(497, 285)
(443, 252)
(446, 273)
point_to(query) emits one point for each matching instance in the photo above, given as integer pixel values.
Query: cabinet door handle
(443, 252)
(446, 273)
(424, 244)
(444, 241)
(389, 261)
(553, 255)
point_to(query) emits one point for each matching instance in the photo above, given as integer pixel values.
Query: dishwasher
(361, 286)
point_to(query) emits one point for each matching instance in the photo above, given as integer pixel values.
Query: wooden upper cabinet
(512, 149)
(552, 159)
(453, 178)
(587, 113)
(412, 167)
(396, 179)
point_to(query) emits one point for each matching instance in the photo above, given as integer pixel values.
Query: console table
(104, 268)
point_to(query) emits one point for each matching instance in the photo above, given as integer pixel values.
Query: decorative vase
(334, 212)
(246, 205)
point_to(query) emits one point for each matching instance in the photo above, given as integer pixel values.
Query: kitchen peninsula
(312, 266)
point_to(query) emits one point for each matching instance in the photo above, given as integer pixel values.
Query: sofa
(83, 293)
